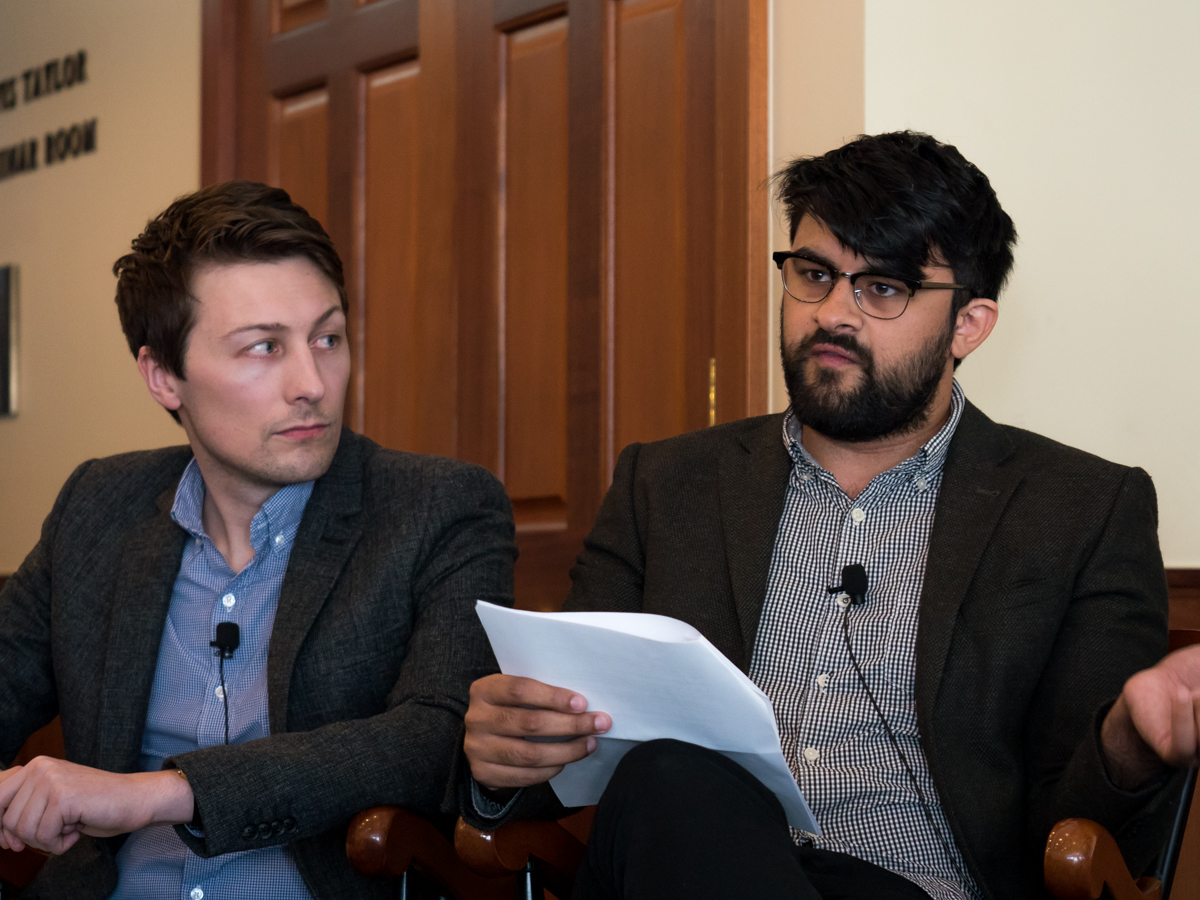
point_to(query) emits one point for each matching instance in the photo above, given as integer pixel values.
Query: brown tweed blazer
(1044, 591)
(374, 648)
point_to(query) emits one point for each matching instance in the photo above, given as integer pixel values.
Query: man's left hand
(49, 803)
(1155, 723)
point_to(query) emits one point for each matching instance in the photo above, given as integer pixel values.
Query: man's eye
(815, 274)
(328, 341)
(885, 289)
(263, 348)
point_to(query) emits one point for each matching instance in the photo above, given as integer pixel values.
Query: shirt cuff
(488, 808)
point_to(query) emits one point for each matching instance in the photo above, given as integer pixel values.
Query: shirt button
(220, 692)
(196, 894)
(857, 515)
(228, 600)
(278, 540)
(921, 483)
(811, 754)
(806, 477)
(822, 681)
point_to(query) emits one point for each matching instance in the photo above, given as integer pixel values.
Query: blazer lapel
(976, 487)
(753, 484)
(328, 534)
(145, 580)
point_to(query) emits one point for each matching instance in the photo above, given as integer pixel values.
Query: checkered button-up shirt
(187, 707)
(832, 737)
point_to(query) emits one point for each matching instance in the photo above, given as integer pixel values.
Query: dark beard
(888, 405)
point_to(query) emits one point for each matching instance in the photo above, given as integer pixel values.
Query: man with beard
(252, 636)
(1000, 672)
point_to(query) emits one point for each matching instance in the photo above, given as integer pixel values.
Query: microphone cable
(227, 641)
(854, 585)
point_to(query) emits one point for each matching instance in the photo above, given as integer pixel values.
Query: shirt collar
(927, 461)
(279, 517)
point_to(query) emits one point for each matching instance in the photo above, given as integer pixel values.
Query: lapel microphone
(854, 584)
(229, 638)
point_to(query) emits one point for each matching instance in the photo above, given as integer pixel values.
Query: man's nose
(304, 377)
(839, 310)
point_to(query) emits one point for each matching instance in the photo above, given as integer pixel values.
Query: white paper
(656, 677)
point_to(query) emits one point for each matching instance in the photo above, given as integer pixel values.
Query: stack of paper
(656, 677)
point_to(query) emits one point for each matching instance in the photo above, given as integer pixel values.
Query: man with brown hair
(251, 637)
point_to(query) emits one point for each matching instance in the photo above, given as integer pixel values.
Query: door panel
(393, 354)
(300, 150)
(550, 214)
(534, 300)
(291, 14)
(650, 315)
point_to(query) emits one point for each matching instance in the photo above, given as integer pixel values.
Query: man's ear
(972, 326)
(163, 386)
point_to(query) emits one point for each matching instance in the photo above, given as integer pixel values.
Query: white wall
(65, 225)
(816, 105)
(1084, 115)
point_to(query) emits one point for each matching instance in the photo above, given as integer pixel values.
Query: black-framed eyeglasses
(879, 296)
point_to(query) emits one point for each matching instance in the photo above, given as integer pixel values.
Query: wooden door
(553, 218)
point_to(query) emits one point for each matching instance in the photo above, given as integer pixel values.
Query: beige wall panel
(64, 226)
(816, 105)
(1083, 115)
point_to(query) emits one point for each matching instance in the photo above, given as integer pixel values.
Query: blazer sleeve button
(264, 830)
(248, 832)
(277, 827)
(289, 824)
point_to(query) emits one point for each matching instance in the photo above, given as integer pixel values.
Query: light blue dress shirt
(187, 711)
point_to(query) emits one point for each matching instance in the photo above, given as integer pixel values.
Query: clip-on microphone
(854, 583)
(228, 640)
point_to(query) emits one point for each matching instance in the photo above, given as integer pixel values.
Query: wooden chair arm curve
(1082, 858)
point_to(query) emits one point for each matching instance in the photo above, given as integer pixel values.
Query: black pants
(681, 821)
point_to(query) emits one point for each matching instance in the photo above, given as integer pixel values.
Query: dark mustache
(841, 341)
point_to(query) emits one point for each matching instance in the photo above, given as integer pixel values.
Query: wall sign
(44, 80)
(61, 144)
(8, 340)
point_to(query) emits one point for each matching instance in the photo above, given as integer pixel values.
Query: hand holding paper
(656, 677)
(507, 709)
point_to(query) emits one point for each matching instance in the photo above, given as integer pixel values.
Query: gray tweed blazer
(374, 649)
(1044, 591)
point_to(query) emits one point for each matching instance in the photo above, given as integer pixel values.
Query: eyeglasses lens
(883, 298)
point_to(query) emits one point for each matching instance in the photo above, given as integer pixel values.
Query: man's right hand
(505, 710)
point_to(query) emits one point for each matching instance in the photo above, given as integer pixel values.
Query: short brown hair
(234, 222)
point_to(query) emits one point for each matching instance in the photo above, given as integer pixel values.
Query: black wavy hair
(904, 200)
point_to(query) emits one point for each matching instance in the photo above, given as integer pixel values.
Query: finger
(32, 826)
(1183, 728)
(11, 841)
(513, 690)
(515, 721)
(49, 830)
(522, 754)
(10, 783)
(1195, 749)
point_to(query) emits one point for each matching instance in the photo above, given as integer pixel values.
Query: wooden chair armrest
(507, 850)
(388, 840)
(1082, 858)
